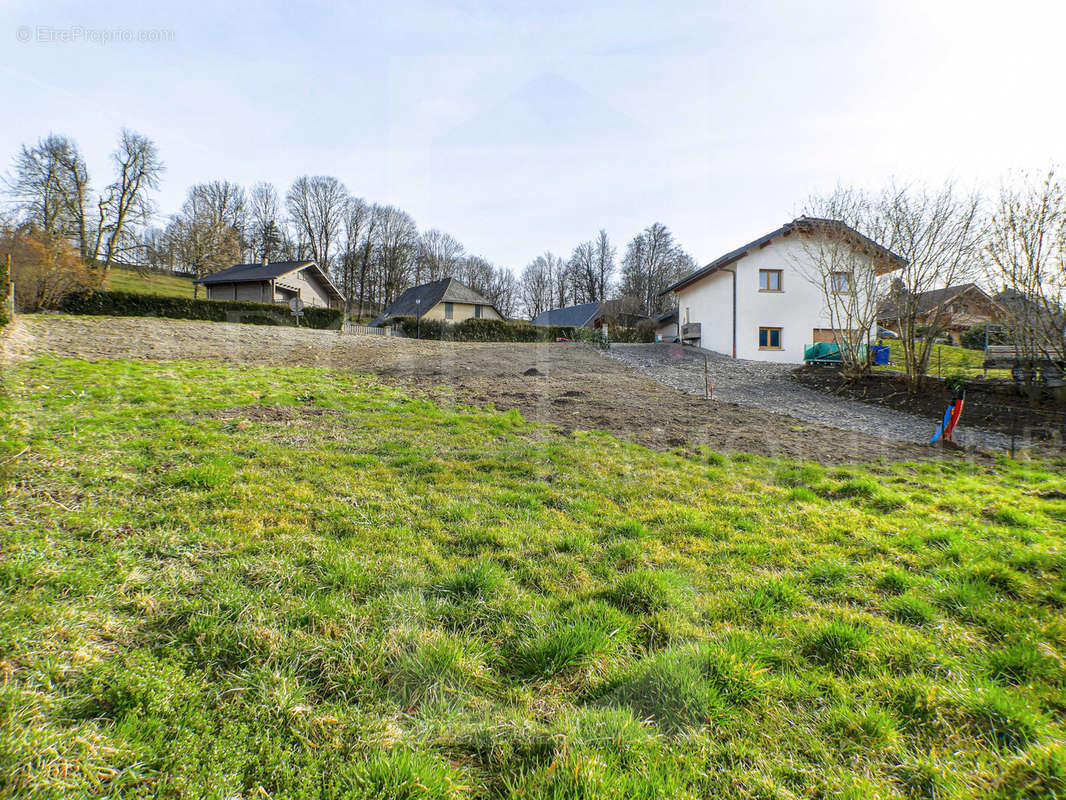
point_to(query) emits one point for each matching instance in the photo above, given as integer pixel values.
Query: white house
(768, 300)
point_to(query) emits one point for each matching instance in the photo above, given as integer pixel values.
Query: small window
(449, 310)
(477, 312)
(769, 280)
(769, 338)
(840, 282)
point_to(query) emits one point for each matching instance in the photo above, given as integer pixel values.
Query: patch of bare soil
(566, 385)
(260, 413)
(992, 405)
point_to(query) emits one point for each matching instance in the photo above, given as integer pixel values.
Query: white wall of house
(797, 309)
(667, 331)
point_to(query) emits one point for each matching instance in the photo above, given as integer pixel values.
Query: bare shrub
(45, 268)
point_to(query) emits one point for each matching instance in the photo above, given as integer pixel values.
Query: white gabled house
(770, 298)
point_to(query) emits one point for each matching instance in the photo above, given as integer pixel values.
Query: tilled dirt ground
(567, 385)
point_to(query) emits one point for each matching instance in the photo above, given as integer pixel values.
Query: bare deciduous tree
(604, 264)
(937, 233)
(1026, 251)
(653, 261)
(582, 275)
(365, 254)
(846, 268)
(204, 236)
(358, 219)
(125, 203)
(544, 284)
(476, 272)
(535, 288)
(50, 186)
(45, 267)
(317, 206)
(503, 291)
(439, 255)
(266, 234)
(396, 249)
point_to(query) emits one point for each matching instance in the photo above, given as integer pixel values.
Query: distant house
(624, 312)
(664, 326)
(580, 316)
(274, 282)
(760, 302)
(953, 309)
(447, 299)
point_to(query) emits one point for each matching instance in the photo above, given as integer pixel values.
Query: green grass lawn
(946, 360)
(128, 280)
(290, 583)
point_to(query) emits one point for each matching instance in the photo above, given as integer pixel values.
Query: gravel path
(767, 386)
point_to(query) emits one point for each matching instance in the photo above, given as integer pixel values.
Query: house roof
(417, 300)
(931, 300)
(798, 224)
(245, 273)
(666, 317)
(569, 317)
(253, 273)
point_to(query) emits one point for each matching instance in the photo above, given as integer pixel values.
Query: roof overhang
(323, 277)
(888, 260)
(321, 274)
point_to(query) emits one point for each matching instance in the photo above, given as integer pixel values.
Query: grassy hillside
(128, 280)
(296, 583)
(947, 360)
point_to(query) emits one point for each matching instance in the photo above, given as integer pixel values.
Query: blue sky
(519, 127)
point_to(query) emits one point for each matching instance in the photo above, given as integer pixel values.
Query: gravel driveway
(767, 386)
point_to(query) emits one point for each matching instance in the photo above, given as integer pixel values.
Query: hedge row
(494, 330)
(130, 304)
(631, 335)
(480, 330)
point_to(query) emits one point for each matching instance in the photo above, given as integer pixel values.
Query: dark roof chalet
(417, 300)
(624, 310)
(932, 300)
(569, 317)
(255, 273)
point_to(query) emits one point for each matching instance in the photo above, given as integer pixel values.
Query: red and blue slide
(951, 418)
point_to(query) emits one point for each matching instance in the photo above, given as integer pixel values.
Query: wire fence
(1034, 426)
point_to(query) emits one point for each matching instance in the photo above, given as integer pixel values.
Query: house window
(769, 338)
(477, 312)
(840, 282)
(449, 310)
(769, 280)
